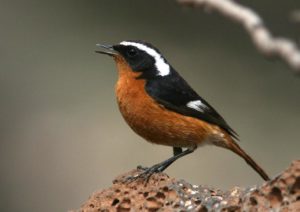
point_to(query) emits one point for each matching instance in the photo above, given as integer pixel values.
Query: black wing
(174, 93)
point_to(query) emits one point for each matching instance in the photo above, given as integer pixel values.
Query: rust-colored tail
(233, 146)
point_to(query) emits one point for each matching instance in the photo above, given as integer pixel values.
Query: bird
(160, 106)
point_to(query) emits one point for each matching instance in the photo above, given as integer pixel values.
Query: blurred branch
(295, 16)
(267, 44)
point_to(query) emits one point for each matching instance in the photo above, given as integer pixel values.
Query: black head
(143, 57)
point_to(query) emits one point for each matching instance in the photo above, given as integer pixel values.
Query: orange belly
(151, 120)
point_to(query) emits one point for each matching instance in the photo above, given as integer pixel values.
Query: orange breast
(151, 120)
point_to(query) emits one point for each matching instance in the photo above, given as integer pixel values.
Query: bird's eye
(131, 52)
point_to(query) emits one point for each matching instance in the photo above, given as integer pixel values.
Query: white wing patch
(162, 67)
(197, 105)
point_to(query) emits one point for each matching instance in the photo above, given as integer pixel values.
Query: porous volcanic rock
(163, 193)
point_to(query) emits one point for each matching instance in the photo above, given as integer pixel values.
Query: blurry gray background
(62, 136)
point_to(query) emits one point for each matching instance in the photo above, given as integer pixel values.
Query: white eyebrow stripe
(197, 105)
(162, 67)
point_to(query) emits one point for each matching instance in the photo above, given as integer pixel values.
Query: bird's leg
(177, 150)
(146, 173)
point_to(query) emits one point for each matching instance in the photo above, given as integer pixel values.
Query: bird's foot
(140, 167)
(145, 173)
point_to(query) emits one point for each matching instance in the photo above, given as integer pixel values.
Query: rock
(163, 193)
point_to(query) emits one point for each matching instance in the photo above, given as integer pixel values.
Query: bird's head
(140, 57)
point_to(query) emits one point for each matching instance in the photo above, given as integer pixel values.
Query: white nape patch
(197, 105)
(162, 67)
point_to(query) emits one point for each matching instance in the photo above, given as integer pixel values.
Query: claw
(145, 175)
(140, 167)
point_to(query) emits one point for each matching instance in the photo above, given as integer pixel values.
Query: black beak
(109, 50)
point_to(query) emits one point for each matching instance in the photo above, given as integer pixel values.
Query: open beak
(108, 50)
